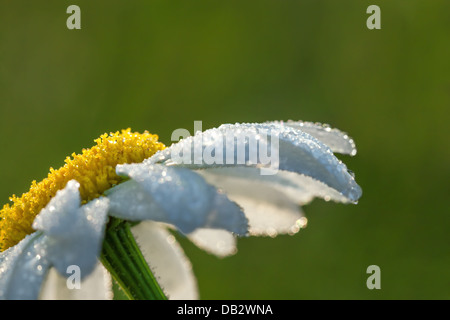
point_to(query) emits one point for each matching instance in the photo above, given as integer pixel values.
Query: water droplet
(351, 173)
(171, 239)
(271, 232)
(302, 222)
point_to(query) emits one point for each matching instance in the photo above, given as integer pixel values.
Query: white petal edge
(220, 243)
(337, 140)
(167, 260)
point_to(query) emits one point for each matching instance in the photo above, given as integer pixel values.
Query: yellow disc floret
(94, 169)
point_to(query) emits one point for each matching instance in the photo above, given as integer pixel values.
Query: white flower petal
(234, 145)
(96, 286)
(271, 203)
(218, 242)
(247, 181)
(75, 234)
(173, 195)
(23, 267)
(337, 140)
(270, 218)
(60, 212)
(167, 260)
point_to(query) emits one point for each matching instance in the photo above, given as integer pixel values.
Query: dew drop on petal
(351, 173)
(272, 232)
(302, 222)
(171, 239)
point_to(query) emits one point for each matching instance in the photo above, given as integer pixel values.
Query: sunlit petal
(295, 151)
(74, 234)
(167, 260)
(247, 181)
(337, 140)
(271, 203)
(218, 242)
(96, 286)
(23, 268)
(174, 195)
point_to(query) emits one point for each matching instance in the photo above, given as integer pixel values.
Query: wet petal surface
(174, 195)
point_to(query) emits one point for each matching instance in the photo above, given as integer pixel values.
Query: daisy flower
(234, 180)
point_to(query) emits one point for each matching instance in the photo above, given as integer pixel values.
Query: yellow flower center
(94, 169)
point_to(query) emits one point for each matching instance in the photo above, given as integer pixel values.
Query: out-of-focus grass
(159, 66)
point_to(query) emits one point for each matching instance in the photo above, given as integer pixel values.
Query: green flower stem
(123, 259)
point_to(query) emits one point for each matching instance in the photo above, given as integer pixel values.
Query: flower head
(94, 169)
(235, 180)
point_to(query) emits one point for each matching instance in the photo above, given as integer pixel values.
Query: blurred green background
(160, 65)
